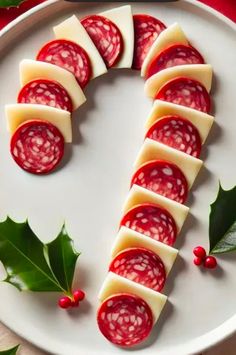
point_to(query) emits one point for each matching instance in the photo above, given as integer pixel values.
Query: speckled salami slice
(140, 265)
(68, 55)
(45, 92)
(152, 221)
(177, 133)
(106, 36)
(146, 31)
(185, 92)
(178, 54)
(37, 146)
(125, 319)
(163, 178)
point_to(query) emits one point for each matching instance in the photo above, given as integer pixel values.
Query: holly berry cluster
(68, 302)
(201, 258)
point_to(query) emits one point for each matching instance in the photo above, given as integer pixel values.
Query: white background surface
(90, 189)
(9, 339)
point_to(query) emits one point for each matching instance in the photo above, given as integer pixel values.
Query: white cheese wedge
(122, 17)
(19, 113)
(199, 72)
(202, 121)
(138, 195)
(152, 150)
(170, 36)
(33, 69)
(128, 238)
(72, 30)
(114, 284)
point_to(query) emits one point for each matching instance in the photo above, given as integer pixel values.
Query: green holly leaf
(222, 225)
(11, 351)
(63, 257)
(10, 3)
(33, 265)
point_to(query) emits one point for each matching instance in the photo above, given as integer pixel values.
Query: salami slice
(68, 55)
(146, 31)
(37, 146)
(45, 92)
(140, 265)
(152, 221)
(163, 178)
(178, 54)
(178, 133)
(125, 319)
(106, 36)
(185, 92)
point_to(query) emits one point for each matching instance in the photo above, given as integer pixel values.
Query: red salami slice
(177, 133)
(37, 146)
(186, 92)
(152, 221)
(125, 319)
(140, 265)
(45, 92)
(178, 54)
(146, 31)
(163, 178)
(68, 55)
(106, 36)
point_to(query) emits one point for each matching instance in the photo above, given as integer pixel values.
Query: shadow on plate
(191, 222)
(205, 176)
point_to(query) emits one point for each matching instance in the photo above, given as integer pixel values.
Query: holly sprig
(34, 266)
(222, 229)
(222, 222)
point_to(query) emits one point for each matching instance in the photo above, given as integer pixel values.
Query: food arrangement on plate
(52, 84)
(178, 81)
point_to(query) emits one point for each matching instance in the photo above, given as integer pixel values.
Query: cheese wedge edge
(72, 30)
(153, 150)
(17, 114)
(128, 238)
(33, 69)
(123, 19)
(139, 195)
(170, 36)
(199, 72)
(114, 284)
(202, 121)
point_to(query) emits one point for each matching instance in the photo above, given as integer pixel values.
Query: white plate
(89, 190)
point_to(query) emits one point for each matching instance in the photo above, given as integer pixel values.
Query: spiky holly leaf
(63, 257)
(11, 351)
(222, 224)
(33, 265)
(10, 3)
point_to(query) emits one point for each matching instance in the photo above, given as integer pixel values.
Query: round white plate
(89, 190)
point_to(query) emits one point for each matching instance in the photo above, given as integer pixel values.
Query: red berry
(198, 261)
(79, 295)
(64, 302)
(210, 262)
(75, 304)
(199, 252)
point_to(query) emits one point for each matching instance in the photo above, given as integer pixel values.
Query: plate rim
(226, 329)
(48, 3)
